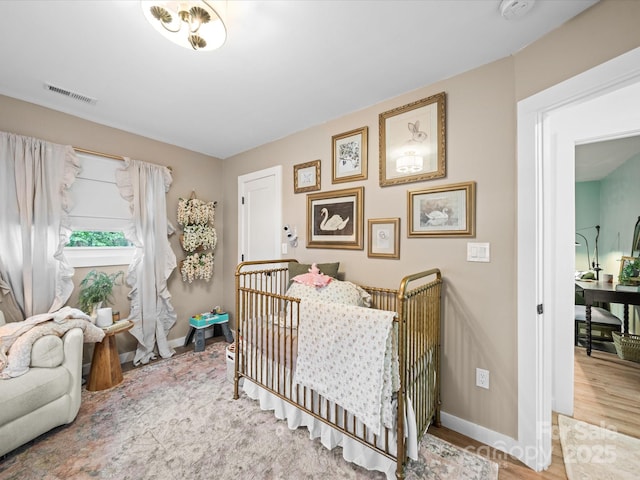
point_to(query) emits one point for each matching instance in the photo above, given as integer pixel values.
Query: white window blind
(97, 204)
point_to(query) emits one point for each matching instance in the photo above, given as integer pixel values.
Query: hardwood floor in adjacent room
(607, 390)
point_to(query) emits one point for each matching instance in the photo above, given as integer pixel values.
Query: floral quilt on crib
(348, 354)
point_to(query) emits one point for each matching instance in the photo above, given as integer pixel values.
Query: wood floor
(607, 392)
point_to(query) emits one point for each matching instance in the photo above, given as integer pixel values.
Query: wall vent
(70, 94)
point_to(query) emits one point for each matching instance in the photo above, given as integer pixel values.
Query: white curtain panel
(35, 177)
(144, 186)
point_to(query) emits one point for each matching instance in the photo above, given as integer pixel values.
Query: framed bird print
(336, 219)
(306, 177)
(446, 211)
(413, 142)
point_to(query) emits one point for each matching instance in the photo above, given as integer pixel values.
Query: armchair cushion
(47, 352)
(27, 393)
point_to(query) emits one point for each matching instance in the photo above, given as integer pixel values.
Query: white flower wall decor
(196, 217)
(197, 266)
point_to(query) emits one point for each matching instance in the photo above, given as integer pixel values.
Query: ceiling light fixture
(192, 24)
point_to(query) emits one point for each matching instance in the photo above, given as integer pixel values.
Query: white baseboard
(496, 440)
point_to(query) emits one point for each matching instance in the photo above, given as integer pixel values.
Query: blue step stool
(198, 326)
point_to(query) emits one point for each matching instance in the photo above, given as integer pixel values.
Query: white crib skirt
(352, 450)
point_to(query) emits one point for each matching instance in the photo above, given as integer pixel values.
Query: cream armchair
(47, 396)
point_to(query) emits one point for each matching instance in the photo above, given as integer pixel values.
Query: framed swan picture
(445, 211)
(335, 219)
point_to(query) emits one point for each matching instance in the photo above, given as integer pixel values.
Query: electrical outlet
(482, 378)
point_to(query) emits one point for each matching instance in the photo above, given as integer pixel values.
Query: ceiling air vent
(70, 94)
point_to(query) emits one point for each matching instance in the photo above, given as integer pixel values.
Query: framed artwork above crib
(445, 211)
(349, 156)
(306, 177)
(413, 142)
(384, 238)
(335, 219)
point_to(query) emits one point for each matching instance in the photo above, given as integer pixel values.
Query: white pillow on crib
(337, 291)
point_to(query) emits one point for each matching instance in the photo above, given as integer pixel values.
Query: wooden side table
(106, 371)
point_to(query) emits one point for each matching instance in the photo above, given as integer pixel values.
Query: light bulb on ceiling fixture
(192, 24)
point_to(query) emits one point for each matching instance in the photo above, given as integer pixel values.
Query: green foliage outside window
(98, 239)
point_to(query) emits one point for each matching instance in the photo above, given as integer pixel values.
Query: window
(98, 216)
(88, 238)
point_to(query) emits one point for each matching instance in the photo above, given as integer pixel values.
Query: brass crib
(266, 350)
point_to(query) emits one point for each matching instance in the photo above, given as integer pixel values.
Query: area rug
(597, 452)
(176, 419)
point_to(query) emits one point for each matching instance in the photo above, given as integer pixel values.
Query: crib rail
(266, 351)
(419, 314)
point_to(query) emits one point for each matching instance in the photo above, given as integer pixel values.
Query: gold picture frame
(413, 141)
(627, 278)
(335, 219)
(445, 211)
(349, 155)
(384, 238)
(306, 177)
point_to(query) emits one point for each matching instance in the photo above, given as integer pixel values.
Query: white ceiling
(607, 131)
(594, 161)
(286, 65)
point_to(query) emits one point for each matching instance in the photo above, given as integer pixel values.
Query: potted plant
(96, 290)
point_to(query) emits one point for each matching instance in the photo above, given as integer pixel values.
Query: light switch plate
(478, 252)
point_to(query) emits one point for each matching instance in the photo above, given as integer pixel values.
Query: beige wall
(479, 298)
(479, 330)
(604, 31)
(191, 171)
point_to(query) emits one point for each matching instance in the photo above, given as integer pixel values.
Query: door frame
(539, 245)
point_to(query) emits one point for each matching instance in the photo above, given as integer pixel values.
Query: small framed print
(306, 177)
(384, 238)
(349, 156)
(446, 211)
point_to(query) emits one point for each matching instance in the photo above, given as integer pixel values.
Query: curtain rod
(106, 155)
(100, 154)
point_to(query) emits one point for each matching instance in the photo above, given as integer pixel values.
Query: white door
(260, 214)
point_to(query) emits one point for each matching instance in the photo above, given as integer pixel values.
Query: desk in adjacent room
(606, 292)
